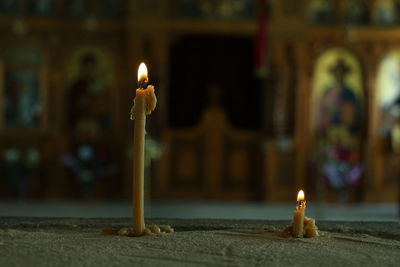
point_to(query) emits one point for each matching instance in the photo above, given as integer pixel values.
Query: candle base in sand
(150, 230)
(309, 229)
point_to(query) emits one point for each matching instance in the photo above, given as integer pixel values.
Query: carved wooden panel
(210, 160)
(241, 165)
(187, 159)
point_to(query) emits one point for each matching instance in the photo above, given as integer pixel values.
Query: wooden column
(214, 123)
(270, 169)
(373, 156)
(302, 122)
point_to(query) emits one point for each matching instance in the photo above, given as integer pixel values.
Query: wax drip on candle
(143, 84)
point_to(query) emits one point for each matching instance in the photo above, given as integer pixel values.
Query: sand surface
(77, 242)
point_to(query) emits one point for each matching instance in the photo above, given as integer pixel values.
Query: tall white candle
(144, 103)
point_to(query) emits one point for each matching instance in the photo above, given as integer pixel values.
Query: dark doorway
(197, 62)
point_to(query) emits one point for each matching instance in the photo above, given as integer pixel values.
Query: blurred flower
(11, 155)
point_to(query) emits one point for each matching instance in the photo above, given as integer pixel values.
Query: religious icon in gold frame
(338, 119)
(388, 99)
(23, 89)
(90, 104)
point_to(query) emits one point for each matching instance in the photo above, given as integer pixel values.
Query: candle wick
(301, 203)
(143, 83)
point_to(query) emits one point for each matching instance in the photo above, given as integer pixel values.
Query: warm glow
(300, 195)
(142, 72)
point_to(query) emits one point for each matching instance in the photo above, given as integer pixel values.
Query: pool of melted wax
(152, 229)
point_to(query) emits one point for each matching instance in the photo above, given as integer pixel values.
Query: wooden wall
(214, 151)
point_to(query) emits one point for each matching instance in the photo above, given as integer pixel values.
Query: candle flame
(300, 195)
(142, 72)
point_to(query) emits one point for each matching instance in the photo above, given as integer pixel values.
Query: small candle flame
(300, 195)
(142, 72)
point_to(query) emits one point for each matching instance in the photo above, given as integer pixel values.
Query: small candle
(144, 103)
(298, 216)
